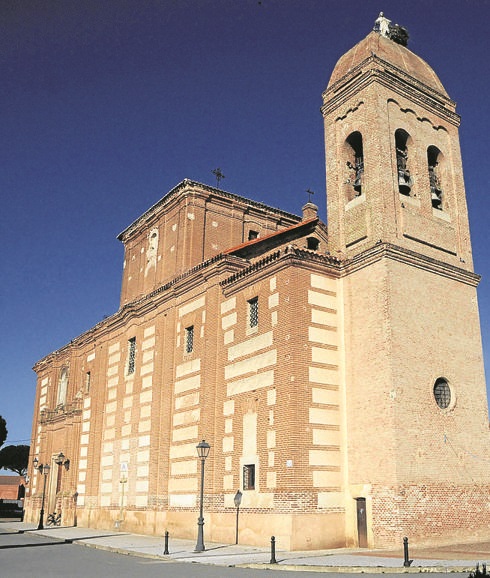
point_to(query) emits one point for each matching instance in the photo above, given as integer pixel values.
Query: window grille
(131, 354)
(189, 339)
(249, 477)
(253, 312)
(442, 393)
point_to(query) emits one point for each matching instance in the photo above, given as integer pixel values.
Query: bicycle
(54, 519)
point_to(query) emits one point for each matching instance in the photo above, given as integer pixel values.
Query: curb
(292, 567)
(123, 551)
(360, 569)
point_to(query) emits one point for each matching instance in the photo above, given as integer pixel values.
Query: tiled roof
(267, 237)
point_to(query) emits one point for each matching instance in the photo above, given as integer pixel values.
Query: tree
(3, 431)
(15, 459)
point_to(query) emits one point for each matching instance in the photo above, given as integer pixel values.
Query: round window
(442, 393)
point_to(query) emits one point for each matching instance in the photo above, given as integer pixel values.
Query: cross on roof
(219, 176)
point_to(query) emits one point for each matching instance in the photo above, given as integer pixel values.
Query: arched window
(355, 164)
(434, 157)
(402, 162)
(62, 386)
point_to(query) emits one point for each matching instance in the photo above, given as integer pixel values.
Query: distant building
(338, 378)
(9, 487)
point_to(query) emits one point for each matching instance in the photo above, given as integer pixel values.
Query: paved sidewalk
(457, 558)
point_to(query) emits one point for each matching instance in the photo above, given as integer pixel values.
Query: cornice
(195, 188)
(245, 273)
(402, 255)
(60, 413)
(276, 261)
(375, 69)
(176, 287)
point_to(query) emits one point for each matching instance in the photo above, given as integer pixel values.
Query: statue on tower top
(394, 32)
(382, 25)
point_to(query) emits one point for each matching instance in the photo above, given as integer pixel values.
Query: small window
(249, 477)
(442, 393)
(131, 355)
(312, 243)
(88, 379)
(189, 339)
(253, 235)
(253, 312)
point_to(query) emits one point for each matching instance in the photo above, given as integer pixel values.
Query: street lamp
(123, 480)
(202, 453)
(75, 498)
(44, 470)
(59, 461)
(238, 500)
(60, 458)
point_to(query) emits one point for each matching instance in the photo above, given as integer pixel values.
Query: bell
(404, 182)
(436, 200)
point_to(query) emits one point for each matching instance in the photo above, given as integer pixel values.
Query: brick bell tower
(415, 415)
(394, 170)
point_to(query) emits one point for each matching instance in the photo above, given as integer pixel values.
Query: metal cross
(310, 192)
(219, 176)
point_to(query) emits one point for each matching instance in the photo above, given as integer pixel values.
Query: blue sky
(105, 106)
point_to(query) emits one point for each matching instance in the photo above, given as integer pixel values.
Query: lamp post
(59, 461)
(75, 498)
(44, 470)
(238, 500)
(202, 453)
(123, 480)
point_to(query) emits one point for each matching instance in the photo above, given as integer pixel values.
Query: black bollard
(406, 561)
(273, 550)
(166, 544)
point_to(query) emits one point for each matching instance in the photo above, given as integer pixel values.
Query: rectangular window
(249, 477)
(87, 382)
(131, 354)
(253, 312)
(189, 339)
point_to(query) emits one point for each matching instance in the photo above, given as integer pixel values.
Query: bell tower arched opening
(435, 163)
(402, 143)
(355, 163)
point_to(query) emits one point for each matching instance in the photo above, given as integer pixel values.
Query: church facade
(336, 374)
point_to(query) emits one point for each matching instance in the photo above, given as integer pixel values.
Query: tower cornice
(376, 69)
(408, 257)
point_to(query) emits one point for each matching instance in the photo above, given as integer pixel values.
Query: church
(333, 375)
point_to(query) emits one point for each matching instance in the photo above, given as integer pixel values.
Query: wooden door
(361, 523)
